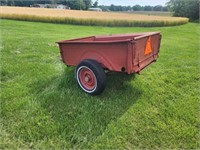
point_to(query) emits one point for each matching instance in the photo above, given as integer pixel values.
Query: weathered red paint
(116, 52)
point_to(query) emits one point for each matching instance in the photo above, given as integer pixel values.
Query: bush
(185, 8)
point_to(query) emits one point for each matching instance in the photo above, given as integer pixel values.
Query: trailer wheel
(90, 77)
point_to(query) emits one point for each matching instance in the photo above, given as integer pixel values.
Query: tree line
(73, 4)
(180, 8)
(83, 4)
(185, 8)
(133, 8)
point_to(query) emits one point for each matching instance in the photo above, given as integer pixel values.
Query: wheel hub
(87, 78)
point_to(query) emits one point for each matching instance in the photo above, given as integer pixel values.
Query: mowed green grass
(42, 106)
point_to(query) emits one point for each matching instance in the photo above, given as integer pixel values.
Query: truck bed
(128, 53)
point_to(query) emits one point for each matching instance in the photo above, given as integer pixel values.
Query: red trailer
(129, 53)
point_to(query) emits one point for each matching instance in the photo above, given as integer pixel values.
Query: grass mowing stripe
(42, 106)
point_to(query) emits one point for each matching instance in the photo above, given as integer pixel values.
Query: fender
(99, 57)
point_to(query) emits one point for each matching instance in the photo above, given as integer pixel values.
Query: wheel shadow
(81, 117)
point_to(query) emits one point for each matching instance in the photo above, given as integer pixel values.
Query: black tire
(90, 76)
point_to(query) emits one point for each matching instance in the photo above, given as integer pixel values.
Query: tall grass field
(42, 106)
(88, 17)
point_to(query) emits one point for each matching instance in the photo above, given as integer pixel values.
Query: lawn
(42, 107)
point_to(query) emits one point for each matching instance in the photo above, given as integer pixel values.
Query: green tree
(76, 4)
(104, 8)
(112, 7)
(87, 3)
(165, 8)
(79, 4)
(148, 8)
(3, 2)
(95, 3)
(157, 8)
(137, 8)
(54, 1)
(11, 3)
(185, 8)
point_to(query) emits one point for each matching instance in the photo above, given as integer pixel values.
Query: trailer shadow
(81, 117)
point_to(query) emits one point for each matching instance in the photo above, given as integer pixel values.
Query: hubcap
(87, 78)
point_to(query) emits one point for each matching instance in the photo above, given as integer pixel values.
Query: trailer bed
(129, 53)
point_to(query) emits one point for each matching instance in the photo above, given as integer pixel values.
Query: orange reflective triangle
(148, 48)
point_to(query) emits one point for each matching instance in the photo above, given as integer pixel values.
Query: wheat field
(87, 17)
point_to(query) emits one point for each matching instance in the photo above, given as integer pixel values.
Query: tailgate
(145, 50)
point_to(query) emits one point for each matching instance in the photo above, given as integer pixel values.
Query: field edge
(94, 22)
